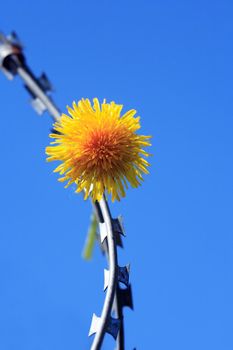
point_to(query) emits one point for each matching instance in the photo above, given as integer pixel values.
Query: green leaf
(90, 240)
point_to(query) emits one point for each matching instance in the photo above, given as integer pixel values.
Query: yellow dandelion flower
(99, 149)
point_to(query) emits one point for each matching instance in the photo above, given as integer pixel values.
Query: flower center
(103, 147)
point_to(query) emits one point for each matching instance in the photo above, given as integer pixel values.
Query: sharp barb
(125, 297)
(103, 231)
(123, 275)
(94, 325)
(118, 226)
(113, 327)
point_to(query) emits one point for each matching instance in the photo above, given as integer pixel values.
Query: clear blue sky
(172, 61)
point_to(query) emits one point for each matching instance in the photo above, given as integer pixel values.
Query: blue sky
(172, 61)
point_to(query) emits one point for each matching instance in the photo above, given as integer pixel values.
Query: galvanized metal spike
(118, 239)
(14, 39)
(117, 228)
(45, 83)
(121, 222)
(106, 279)
(118, 225)
(94, 325)
(113, 327)
(125, 297)
(38, 105)
(123, 274)
(103, 231)
(103, 246)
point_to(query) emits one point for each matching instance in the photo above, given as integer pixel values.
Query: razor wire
(12, 63)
